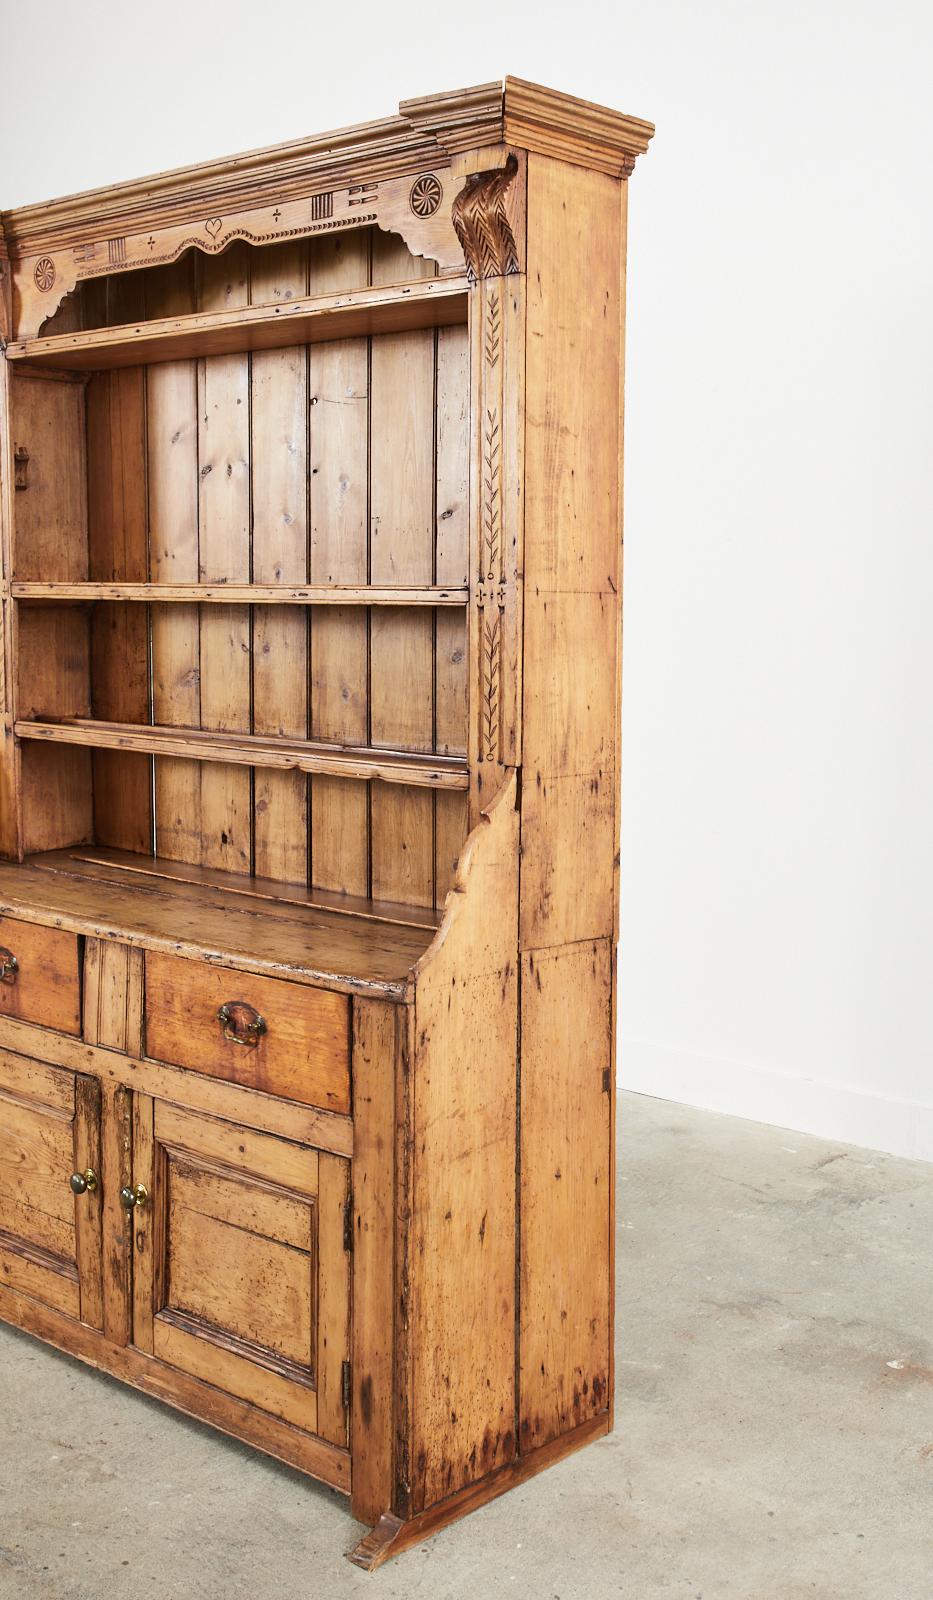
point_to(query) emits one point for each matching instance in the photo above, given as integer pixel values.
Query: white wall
(778, 831)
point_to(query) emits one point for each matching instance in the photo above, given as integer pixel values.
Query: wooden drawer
(43, 986)
(302, 1052)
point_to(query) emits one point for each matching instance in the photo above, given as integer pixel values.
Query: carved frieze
(419, 210)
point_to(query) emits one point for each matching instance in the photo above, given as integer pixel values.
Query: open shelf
(253, 750)
(394, 308)
(230, 594)
(354, 945)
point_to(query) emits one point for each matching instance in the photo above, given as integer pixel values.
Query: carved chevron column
(488, 215)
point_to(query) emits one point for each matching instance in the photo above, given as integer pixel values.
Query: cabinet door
(240, 1273)
(50, 1236)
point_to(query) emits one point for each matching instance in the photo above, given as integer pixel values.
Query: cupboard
(309, 790)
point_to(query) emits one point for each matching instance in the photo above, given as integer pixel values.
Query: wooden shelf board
(393, 308)
(125, 865)
(218, 917)
(243, 749)
(230, 594)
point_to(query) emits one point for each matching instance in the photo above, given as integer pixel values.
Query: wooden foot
(377, 1545)
(391, 1535)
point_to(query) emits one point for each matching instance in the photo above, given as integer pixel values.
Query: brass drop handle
(9, 966)
(241, 1023)
(137, 1195)
(84, 1182)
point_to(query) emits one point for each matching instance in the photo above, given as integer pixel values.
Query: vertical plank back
(172, 444)
(339, 553)
(224, 556)
(402, 551)
(118, 547)
(279, 458)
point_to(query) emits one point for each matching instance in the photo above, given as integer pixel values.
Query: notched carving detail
(481, 219)
(492, 499)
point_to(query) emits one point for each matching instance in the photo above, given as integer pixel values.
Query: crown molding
(428, 133)
(553, 124)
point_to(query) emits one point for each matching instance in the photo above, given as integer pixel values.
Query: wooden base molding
(391, 1536)
(193, 1396)
(310, 651)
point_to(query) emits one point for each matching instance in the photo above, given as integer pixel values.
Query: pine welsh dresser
(309, 790)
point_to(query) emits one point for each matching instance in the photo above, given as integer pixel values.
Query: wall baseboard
(805, 1105)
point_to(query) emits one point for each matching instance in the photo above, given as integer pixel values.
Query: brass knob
(82, 1182)
(9, 966)
(241, 1023)
(135, 1196)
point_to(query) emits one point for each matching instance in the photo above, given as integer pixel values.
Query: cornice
(429, 132)
(554, 124)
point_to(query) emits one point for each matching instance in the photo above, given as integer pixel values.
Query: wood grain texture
(241, 1150)
(11, 818)
(222, 749)
(259, 594)
(38, 1237)
(112, 1018)
(375, 1060)
(224, 552)
(45, 987)
(279, 455)
(391, 1535)
(572, 554)
(302, 1055)
(88, 1207)
(402, 551)
(50, 532)
(462, 1240)
(172, 453)
(565, 1190)
(338, 422)
(228, 329)
(333, 1298)
(209, 1096)
(302, 943)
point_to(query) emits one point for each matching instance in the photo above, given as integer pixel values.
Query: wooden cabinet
(310, 600)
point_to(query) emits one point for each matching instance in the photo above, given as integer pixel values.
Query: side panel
(573, 553)
(565, 1198)
(569, 827)
(461, 1242)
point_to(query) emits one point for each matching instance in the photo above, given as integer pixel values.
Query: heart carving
(213, 226)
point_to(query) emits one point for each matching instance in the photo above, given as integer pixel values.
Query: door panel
(50, 1238)
(236, 1278)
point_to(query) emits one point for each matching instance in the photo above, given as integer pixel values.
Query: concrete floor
(774, 1438)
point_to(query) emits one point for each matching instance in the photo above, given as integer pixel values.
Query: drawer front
(283, 1038)
(39, 982)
